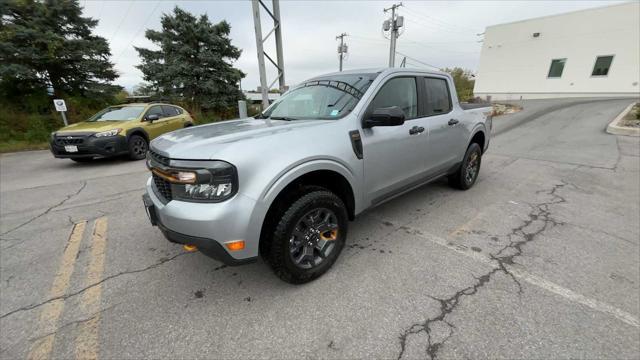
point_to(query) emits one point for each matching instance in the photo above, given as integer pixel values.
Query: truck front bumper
(208, 226)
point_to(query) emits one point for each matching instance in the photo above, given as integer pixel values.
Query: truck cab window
(400, 92)
(438, 96)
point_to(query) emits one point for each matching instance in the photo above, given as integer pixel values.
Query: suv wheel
(137, 147)
(467, 173)
(309, 237)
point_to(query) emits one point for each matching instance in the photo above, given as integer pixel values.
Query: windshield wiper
(285, 118)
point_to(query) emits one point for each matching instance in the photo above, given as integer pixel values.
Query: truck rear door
(447, 139)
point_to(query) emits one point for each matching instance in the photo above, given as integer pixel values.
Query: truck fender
(480, 128)
(292, 173)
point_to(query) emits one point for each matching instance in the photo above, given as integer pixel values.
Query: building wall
(514, 64)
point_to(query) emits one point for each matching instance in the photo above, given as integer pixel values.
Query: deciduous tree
(464, 81)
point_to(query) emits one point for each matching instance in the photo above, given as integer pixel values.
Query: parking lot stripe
(51, 311)
(544, 284)
(87, 342)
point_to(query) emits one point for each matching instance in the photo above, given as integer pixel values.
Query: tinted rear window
(438, 97)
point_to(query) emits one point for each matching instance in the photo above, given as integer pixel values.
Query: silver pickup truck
(286, 183)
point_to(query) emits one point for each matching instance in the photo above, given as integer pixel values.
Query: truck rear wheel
(309, 237)
(467, 173)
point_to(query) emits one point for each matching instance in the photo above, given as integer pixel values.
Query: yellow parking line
(87, 342)
(51, 311)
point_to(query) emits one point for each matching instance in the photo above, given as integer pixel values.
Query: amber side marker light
(189, 248)
(235, 245)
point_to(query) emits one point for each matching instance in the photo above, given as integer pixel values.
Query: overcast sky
(438, 33)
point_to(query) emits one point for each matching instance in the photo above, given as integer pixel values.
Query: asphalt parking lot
(540, 259)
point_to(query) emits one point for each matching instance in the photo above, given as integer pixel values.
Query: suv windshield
(325, 98)
(118, 113)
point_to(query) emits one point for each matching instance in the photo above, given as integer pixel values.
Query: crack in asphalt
(66, 296)
(519, 236)
(67, 198)
(75, 322)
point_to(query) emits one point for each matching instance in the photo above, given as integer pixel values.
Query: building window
(603, 63)
(557, 65)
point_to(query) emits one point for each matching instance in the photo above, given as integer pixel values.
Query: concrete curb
(614, 128)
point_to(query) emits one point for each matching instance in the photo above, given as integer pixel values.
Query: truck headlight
(215, 181)
(112, 132)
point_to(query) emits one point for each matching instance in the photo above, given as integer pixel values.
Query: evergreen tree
(49, 46)
(194, 61)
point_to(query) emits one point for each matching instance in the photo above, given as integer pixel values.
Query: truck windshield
(326, 98)
(118, 113)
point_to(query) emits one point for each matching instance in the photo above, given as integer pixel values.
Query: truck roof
(385, 70)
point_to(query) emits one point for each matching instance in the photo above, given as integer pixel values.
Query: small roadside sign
(60, 105)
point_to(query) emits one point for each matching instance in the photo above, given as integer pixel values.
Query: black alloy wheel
(137, 147)
(313, 238)
(467, 173)
(308, 236)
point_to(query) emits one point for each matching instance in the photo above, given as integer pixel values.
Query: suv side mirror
(151, 118)
(388, 116)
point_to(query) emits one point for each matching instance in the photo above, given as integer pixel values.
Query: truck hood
(94, 126)
(205, 141)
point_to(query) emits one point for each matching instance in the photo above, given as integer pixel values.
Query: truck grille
(159, 158)
(162, 187)
(69, 140)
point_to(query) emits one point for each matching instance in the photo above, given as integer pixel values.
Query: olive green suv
(118, 130)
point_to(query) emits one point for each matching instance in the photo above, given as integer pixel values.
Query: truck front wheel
(309, 237)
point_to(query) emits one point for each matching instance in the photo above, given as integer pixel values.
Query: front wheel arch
(139, 132)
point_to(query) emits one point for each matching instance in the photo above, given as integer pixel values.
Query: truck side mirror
(151, 118)
(388, 116)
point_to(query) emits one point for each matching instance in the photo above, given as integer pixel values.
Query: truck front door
(394, 155)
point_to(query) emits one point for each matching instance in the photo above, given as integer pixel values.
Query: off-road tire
(460, 179)
(279, 253)
(138, 147)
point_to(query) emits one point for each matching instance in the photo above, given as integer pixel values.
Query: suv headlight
(215, 181)
(112, 132)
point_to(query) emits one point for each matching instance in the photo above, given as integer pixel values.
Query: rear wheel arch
(478, 138)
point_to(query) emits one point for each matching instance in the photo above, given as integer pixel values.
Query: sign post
(62, 108)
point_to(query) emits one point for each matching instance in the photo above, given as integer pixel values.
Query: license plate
(70, 148)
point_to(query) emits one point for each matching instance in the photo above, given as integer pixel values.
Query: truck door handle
(453, 122)
(416, 130)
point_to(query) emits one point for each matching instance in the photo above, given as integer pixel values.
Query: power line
(440, 21)
(121, 22)
(418, 61)
(138, 32)
(434, 26)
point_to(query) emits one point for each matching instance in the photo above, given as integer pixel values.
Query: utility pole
(392, 25)
(342, 49)
(277, 29)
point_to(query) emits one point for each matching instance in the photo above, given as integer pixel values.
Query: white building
(587, 53)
